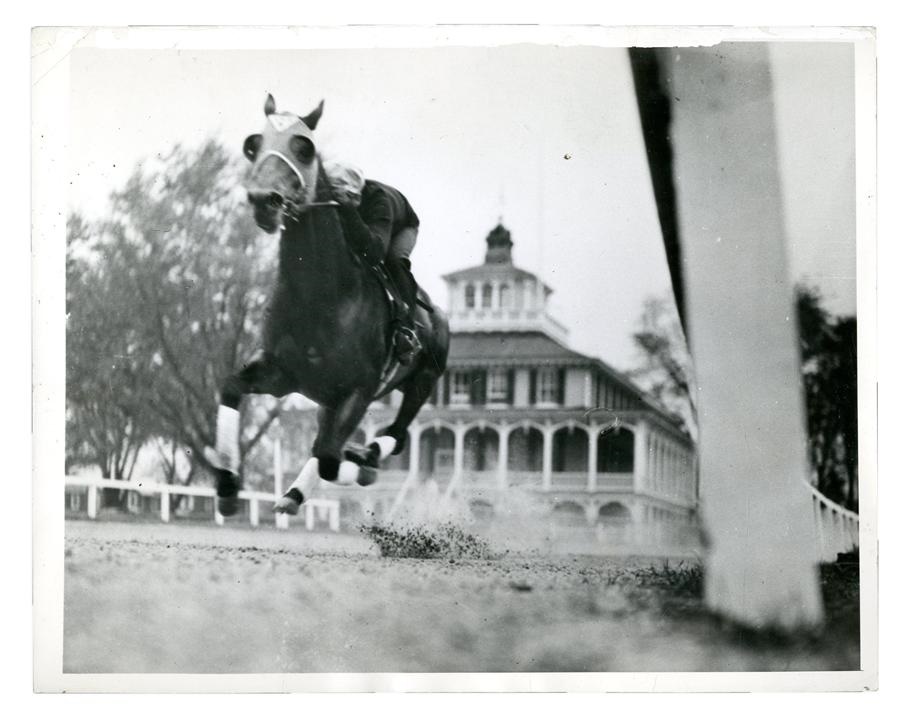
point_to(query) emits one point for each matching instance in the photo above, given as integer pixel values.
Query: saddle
(398, 307)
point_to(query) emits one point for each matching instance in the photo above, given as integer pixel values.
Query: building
(519, 411)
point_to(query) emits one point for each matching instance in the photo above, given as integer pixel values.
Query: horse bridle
(289, 208)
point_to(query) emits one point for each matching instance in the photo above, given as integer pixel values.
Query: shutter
(479, 386)
(510, 385)
(532, 386)
(561, 386)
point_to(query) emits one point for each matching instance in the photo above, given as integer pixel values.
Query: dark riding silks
(383, 212)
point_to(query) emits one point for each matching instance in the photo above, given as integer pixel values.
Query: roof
(492, 269)
(512, 347)
(535, 348)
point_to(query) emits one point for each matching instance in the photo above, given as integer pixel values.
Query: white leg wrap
(348, 473)
(308, 477)
(227, 431)
(386, 445)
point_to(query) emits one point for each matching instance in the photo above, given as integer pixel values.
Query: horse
(328, 327)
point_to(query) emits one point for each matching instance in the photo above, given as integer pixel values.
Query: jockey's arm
(370, 237)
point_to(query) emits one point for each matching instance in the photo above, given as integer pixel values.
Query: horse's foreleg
(261, 375)
(335, 427)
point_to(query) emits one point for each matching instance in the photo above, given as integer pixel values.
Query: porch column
(459, 435)
(503, 456)
(640, 456)
(593, 432)
(548, 456)
(415, 436)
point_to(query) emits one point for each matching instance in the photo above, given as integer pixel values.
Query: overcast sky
(546, 137)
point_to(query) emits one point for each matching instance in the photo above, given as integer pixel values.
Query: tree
(105, 378)
(664, 366)
(193, 274)
(828, 354)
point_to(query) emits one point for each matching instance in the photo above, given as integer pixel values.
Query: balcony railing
(569, 480)
(524, 479)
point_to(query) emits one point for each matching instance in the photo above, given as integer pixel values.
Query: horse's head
(285, 166)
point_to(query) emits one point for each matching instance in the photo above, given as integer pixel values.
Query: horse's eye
(251, 146)
(303, 148)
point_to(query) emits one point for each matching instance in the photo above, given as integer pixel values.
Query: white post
(310, 516)
(640, 456)
(92, 502)
(218, 518)
(761, 569)
(415, 433)
(164, 505)
(334, 514)
(459, 440)
(503, 457)
(254, 512)
(281, 520)
(593, 432)
(547, 474)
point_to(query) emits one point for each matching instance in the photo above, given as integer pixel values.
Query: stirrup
(407, 343)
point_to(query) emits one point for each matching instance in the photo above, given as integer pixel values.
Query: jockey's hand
(346, 198)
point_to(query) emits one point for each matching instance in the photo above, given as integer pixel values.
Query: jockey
(380, 220)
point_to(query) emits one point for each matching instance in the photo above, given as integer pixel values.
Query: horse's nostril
(269, 199)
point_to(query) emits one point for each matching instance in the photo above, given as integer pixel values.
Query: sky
(545, 137)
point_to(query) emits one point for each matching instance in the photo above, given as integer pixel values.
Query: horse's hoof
(367, 475)
(363, 456)
(228, 484)
(286, 505)
(228, 506)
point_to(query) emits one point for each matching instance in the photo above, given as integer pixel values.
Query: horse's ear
(270, 105)
(313, 117)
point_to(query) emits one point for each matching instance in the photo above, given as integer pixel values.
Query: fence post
(310, 516)
(217, 518)
(334, 517)
(92, 502)
(254, 512)
(732, 249)
(164, 504)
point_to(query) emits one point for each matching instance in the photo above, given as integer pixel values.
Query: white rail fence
(837, 529)
(316, 509)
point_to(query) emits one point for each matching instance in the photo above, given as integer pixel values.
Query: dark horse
(328, 329)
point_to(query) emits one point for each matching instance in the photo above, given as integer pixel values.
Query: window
(470, 296)
(498, 386)
(487, 296)
(548, 387)
(460, 386)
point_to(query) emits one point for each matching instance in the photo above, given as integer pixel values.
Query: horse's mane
(324, 187)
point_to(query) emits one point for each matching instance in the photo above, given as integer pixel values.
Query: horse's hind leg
(261, 375)
(415, 393)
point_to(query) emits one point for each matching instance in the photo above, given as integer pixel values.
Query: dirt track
(148, 597)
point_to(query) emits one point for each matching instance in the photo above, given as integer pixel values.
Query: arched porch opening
(481, 448)
(436, 454)
(525, 459)
(570, 450)
(615, 452)
(568, 514)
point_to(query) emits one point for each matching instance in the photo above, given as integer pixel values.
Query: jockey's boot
(406, 342)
